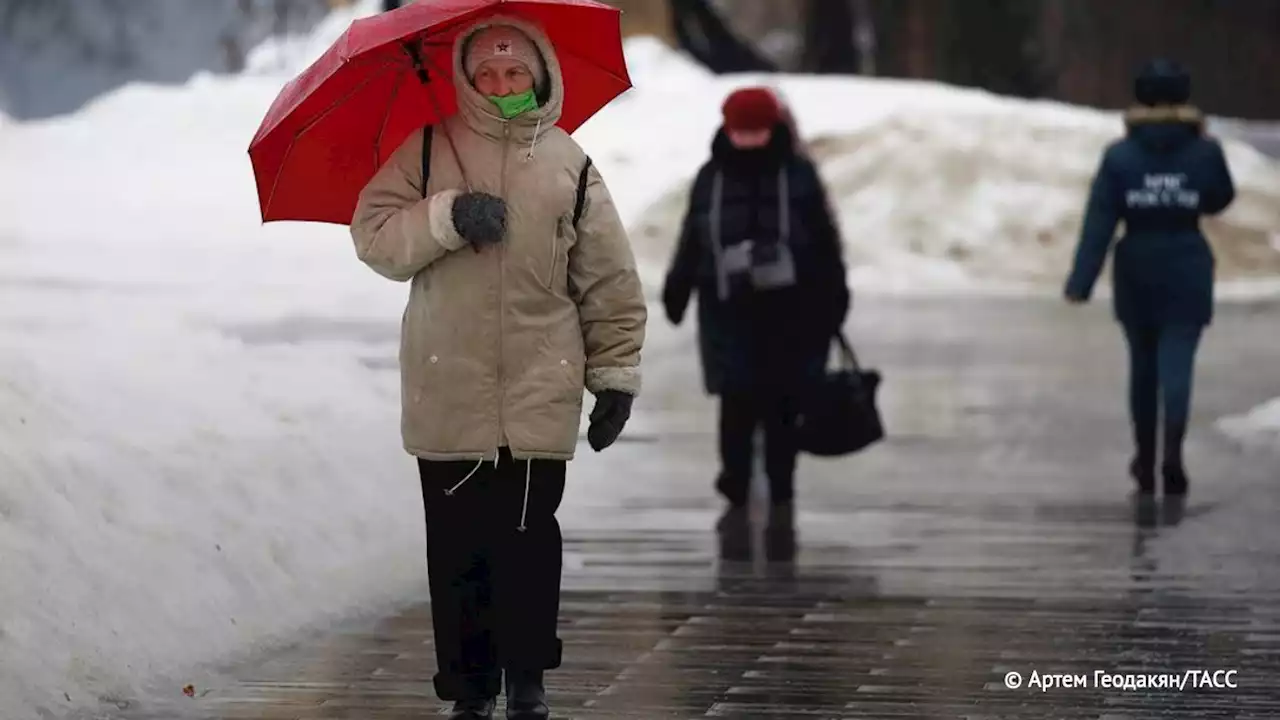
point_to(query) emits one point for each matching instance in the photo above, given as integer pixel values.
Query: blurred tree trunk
(865, 37)
(993, 44)
(701, 32)
(1053, 32)
(906, 42)
(829, 31)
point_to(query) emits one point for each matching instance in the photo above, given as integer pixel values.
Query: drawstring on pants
(528, 481)
(464, 480)
(524, 509)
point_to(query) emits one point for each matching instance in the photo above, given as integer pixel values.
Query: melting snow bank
(938, 189)
(1260, 426)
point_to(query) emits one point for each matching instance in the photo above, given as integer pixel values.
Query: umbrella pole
(425, 78)
(449, 136)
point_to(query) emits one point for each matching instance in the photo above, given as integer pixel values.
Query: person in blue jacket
(1159, 180)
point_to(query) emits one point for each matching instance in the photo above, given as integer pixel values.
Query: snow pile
(200, 438)
(199, 441)
(998, 194)
(200, 444)
(937, 188)
(1260, 426)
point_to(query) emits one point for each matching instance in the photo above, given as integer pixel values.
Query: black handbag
(839, 416)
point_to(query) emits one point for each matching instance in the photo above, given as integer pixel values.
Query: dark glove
(674, 303)
(480, 218)
(608, 417)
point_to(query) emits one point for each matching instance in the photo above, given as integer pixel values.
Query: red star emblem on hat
(503, 48)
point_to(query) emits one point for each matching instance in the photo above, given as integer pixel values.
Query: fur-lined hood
(1164, 127)
(1181, 114)
(480, 114)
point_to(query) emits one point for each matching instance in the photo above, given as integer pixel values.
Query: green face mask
(513, 105)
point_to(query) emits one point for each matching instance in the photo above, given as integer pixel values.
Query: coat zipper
(555, 253)
(502, 191)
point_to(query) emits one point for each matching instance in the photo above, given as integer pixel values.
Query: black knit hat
(1162, 82)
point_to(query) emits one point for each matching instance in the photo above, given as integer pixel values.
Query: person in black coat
(760, 248)
(1159, 181)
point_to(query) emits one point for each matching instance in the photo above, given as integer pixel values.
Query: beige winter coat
(497, 345)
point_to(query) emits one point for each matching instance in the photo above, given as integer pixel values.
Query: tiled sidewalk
(992, 534)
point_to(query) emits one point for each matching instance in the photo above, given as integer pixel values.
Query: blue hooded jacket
(1159, 181)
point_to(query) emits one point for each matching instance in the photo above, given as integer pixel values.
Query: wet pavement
(991, 534)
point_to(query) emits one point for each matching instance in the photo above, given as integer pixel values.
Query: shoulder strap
(784, 205)
(427, 133)
(846, 351)
(580, 202)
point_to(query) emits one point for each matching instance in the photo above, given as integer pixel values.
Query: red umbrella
(333, 126)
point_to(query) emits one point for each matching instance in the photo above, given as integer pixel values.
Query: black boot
(473, 709)
(733, 531)
(1144, 474)
(526, 696)
(1175, 480)
(780, 533)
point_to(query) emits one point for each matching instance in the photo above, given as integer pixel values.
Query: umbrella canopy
(334, 125)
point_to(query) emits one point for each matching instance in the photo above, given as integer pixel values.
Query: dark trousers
(1161, 365)
(741, 413)
(494, 564)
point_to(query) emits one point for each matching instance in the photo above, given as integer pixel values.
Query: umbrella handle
(425, 78)
(449, 136)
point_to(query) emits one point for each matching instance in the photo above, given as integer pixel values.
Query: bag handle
(420, 61)
(846, 351)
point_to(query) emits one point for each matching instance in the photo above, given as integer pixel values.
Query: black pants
(495, 587)
(1161, 366)
(741, 413)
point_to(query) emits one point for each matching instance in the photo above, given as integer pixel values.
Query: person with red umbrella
(524, 292)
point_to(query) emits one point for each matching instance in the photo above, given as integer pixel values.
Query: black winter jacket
(752, 338)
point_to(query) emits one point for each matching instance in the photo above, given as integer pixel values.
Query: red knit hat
(754, 108)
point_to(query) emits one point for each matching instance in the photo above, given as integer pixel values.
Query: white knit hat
(508, 42)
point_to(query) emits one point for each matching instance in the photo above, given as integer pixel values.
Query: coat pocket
(449, 404)
(557, 255)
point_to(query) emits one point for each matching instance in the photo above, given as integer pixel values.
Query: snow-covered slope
(1259, 426)
(937, 188)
